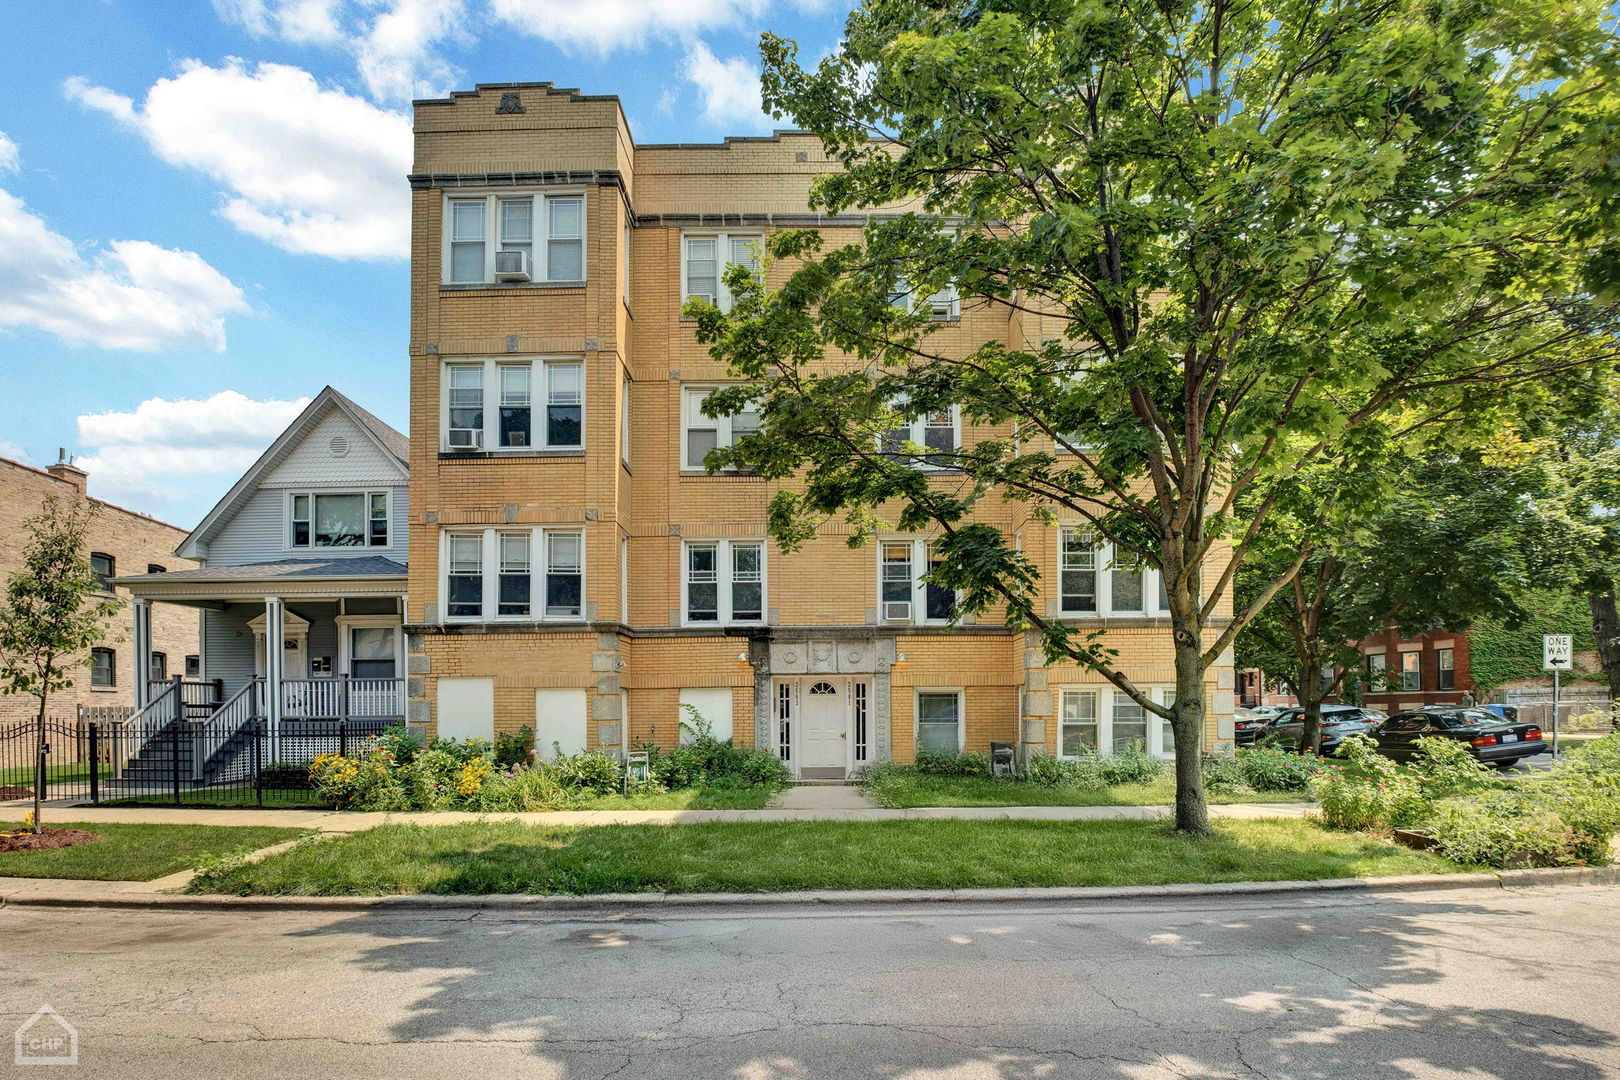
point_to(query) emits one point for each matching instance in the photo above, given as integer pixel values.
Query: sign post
(1557, 656)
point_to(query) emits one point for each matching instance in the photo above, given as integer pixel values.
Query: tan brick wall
(135, 541)
(650, 505)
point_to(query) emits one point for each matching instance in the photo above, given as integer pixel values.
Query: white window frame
(919, 588)
(490, 573)
(916, 715)
(722, 251)
(916, 432)
(346, 623)
(539, 235)
(944, 305)
(692, 417)
(309, 493)
(540, 368)
(1103, 557)
(1157, 738)
(725, 580)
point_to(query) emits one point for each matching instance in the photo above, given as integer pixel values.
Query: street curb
(1503, 879)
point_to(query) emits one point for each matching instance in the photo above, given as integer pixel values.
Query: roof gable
(329, 415)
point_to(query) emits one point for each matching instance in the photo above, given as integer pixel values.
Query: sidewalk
(339, 821)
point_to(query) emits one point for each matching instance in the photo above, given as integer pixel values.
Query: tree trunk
(1192, 811)
(41, 750)
(1310, 700)
(1606, 628)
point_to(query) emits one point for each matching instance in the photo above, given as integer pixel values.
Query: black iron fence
(167, 760)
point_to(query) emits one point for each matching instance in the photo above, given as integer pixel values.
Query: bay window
(548, 230)
(337, 519)
(724, 582)
(903, 594)
(490, 574)
(704, 259)
(513, 424)
(700, 433)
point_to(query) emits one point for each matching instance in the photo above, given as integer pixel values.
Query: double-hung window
(103, 668)
(933, 429)
(1412, 670)
(704, 258)
(942, 306)
(527, 574)
(903, 594)
(537, 236)
(1078, 723)
(701, 433)
(1092, 581)
(1375, 672)
(518, 421)
(1445, 669)
(104, 566)
(724, 582)
(337, 519)
(939, 721)
(1106, 721)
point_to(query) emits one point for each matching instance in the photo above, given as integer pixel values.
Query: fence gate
(69, 771)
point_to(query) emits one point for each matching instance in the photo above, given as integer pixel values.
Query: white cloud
(604, 25)
(165, 448)
(10, 160)
(14, 452)
(729, 88)
(131, 295)
(311, 170)
(394, 43)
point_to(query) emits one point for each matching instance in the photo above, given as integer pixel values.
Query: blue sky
(202, 205)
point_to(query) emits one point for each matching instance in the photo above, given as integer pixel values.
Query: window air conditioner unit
(897, 611)
(466, 438)
(511, 266)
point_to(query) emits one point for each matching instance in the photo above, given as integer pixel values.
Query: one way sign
(1557, 652)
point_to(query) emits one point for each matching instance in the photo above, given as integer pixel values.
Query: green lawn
(138, 852)
(684, 799)
(908, 789)
(509, 857)
(23, 775)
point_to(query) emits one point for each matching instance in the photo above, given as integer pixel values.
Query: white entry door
(823, 726)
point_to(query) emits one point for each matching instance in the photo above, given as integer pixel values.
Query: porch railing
(342, 697)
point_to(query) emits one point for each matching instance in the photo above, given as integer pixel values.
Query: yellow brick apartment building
(574, 569)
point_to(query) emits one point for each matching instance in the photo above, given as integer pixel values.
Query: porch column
(141, 616)
(275, 633)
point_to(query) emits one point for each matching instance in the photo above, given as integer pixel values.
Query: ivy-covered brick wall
(1501, 650)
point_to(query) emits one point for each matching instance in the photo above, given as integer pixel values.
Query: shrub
(401, 743)
(368, 783)
(1133, 765)
(590, 772)
(1082, 772)
(515, 747)
(1224, 775)
(939, 763)
(1370, 792)
(1271, 768)
(1503, 828)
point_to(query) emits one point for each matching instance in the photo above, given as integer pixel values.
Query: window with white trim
(528, 574)
(518, 421)
(1375, 672)
(942, 306)
(337, 519)
(903, 595)
(932, 429)
(700, 433)
(1412, 670)
(547, 229)
(1445, 669)
(704, 259)
(939, 721)
(1091, 580)
(724, 582)
(1078, 723)
(1107, 721)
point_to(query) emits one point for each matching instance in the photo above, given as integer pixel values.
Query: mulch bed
(12, 791)
(45, 840)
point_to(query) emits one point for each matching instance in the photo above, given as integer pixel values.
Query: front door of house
(823, 729)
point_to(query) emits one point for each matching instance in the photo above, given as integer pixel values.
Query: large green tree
(1271, 234)
(1460, 538)
(51, 614)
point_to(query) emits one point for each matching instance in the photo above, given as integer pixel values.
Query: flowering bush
(370, 782)
(1270, 768)
(1370, 792)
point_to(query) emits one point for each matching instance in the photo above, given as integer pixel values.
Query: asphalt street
(1458, 984)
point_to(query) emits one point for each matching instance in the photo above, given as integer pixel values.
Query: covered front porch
(288, 643)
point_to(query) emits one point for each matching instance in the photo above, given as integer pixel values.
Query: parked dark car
(1488, 737)
(1248, 726)
(1339, 722)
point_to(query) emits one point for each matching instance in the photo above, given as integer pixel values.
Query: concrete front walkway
(349, 821)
